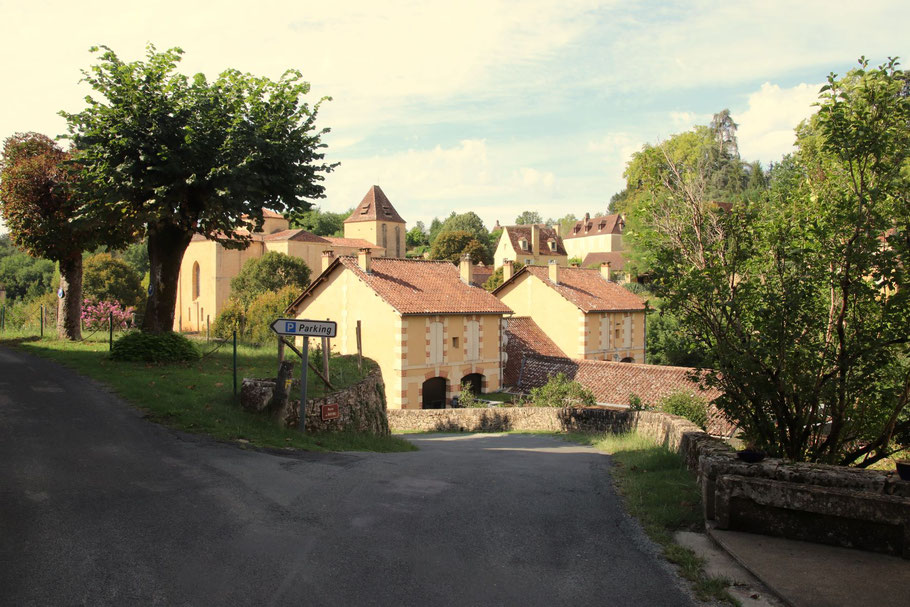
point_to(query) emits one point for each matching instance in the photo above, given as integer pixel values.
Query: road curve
(101, 507)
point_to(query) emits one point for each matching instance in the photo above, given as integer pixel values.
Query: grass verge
(662, 494)
(198, 397)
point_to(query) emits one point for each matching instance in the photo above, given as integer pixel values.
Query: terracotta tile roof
(612, 383)
(357, 243)
(297, 235)
(480, 273)
(375, 207)
(617, 260)
(516, 233)
(269, 214)
(417, 286)
(525, 337)
(584, 288)
(595, 226)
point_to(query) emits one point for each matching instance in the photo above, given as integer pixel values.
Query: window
(472, 340)
(454, 342)
(552, 244)
(435, 343)
(195, 280)
(523, 244)
(385, 238)
(398, 241)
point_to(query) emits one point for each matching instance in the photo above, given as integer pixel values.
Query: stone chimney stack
(605, 271)
(363, 259)
(328, 256)
(465, 269)
(535, 239)
(507, 269)
(554, 272)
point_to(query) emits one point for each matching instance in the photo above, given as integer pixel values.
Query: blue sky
(486, 106)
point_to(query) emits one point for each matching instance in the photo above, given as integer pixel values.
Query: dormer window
(552, 244)
(523, 244)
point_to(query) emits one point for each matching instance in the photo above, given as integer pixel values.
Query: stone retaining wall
(361, 407)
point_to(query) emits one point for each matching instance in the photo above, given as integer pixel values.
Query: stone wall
(361, 407)
(500, 419)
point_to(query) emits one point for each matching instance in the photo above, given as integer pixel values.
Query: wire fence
(39, 320)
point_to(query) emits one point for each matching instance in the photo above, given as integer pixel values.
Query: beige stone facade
(530, 244)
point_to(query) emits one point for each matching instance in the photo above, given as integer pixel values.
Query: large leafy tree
(319, 222)
(457, 243)
(801, 296)
(175, 156)
(110, 279)
(267, 274)
(47, 216)
(468, 222)
(528, 217)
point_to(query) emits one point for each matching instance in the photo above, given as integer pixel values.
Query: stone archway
(474, 381)
(434, 393)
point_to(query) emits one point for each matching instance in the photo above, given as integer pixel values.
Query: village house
(582, 311)
(204, 284)
(530, 244)
(422, 321)
(600, 234)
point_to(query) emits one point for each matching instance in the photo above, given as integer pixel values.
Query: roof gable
(518, 233)
(586, 289)
(596, 226)
(375, 206)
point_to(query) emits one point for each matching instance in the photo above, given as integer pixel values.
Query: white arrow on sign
(305, 328)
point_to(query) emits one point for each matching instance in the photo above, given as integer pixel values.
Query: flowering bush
(97, 314)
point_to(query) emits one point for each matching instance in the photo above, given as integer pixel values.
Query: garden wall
(361, 407)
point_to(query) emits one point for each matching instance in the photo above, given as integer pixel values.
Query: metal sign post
(306, 329)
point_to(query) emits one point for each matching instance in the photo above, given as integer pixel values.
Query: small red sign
(330, 412)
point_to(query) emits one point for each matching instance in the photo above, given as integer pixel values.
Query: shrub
(560, 391)
(154, 348)
(231, 318)
(468, 399)
(106, 278)
(268, 274)
(265, 309)
(686, 404)
(97, 314)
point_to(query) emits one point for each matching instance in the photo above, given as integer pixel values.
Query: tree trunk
(69, 307)
(166, 244)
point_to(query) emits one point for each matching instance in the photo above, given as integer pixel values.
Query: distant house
(530, 244)
(429, 329)
(585, 313)
(600, 234)
(376, 220)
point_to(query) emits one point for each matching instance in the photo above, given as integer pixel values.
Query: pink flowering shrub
(96, 314)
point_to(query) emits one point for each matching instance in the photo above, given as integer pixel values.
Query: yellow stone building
(425, 324)
(204, 284)
(601, 234)
(530, 244)
(586, 314)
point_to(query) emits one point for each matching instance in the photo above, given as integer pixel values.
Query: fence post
(235, 363)
(208, 327)
(110, 325)
(42, 320)
(359, 350)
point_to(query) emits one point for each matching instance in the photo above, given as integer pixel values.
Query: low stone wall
(361, 407)
(837, 505)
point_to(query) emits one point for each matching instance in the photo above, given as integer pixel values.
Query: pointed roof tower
(375, 207)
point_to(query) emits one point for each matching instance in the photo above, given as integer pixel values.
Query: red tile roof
(617, 260)
(595, 226)
(480, 273)
(525, 337)
(357, 243)
(612, 383)
(516, 233)
(584, 288)
(416, 286)
(297, 235)
(375, 207)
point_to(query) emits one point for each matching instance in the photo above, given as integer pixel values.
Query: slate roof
(613, 382)
(584, 288)
(516, 233)
(375, 206)
(595, 226)
(416, 286)
(525, 337)
(617, 260)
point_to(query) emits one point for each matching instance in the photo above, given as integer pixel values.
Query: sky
(488, 106)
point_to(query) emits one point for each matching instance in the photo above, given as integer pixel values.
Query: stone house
(600, 234)
(422, 321)
(582, 311)
(530, 244)
(204, 284)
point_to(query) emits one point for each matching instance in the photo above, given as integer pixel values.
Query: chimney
(587, 219)
(328, 256)
(605, 271)
(554, 272)
(535, 239)
(363, 259)
(464, 268)
(506, 269)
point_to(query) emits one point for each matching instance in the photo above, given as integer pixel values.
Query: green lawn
(663, 495)
(198, 397)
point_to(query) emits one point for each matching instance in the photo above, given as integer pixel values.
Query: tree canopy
(319, 222)
(175, 156)
(107, 278)
(528, 217)
(269, 273)
(455, 244)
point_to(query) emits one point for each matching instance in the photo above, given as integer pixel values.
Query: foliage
(106, 278)
(137, 256)
(417, 236)
(468, 399)
(166, 347)
(319, 222)
(471, 223)
(231, 318)
(173, 156)
(688, 405)
(636, 404)
(252, 322)
(799, 295)
(453, 245)
(268, 274)
(565, 223)
(435, 228)
(98, 314)
(669, 343)
(528, 217)
(23, 276)
(562, 392)
(495, 278)
(574, 261)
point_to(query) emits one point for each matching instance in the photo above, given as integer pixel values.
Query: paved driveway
(100, 507)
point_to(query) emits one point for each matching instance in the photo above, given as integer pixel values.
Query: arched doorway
(627, 359)
(434, 393)
(474, 381)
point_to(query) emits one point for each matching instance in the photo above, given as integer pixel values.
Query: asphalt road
(101, 507)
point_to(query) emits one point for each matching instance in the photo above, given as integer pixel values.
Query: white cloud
(766, 127)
